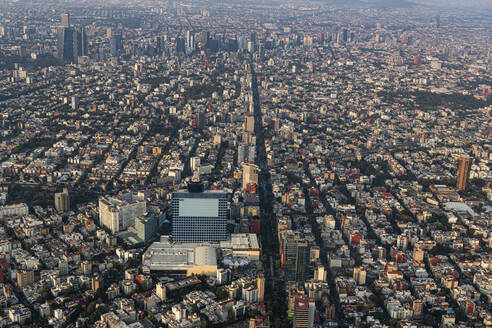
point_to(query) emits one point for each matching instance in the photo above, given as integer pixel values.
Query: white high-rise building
(118, 213)
(194, 163)
(160, 291)
(320, 273)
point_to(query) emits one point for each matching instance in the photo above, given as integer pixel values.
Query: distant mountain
(471, 4)
(373, 3)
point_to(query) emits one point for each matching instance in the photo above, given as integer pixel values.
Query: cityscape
(245, 164)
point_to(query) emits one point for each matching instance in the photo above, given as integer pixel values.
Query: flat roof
(163, 255)
(241, 241)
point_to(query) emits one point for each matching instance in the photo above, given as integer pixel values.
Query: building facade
(199, 216)
(118, 213)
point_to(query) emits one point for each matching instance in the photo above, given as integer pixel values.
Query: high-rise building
(146, 227)
(180, 45)
(295, 256)
(304, 310)
(65, 20)
(246, 153)
(75, 102)
(71, 43)
(79, 44)
(95, 283)
(199, 216)
(65, 43)
(160, 291)
(118, 213)
(250, 176)
(260, 284)
(223, 276)
(25, 278)
(86, 267)
(190, 40)
(194, 163)
(62, 201)
(464, 166)
(201, 120)
(359, 275)
(249, 123)
(320, 273)
(381, 253)
(115, 45)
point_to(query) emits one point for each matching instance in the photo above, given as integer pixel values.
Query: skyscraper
(295, 256)
(62, 201)
(304, 309)
(359, 275)
(464, 166)
(79, 44)
(180, 45)
(260, 284)
(146, 227)
(71, 43)
(199, 216)
(249, 123)
(115, 45)
(65, 20)
(250, 176)
(65, 43)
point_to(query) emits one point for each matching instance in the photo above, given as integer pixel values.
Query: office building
(180, 45)
(71, 43)
(86, 267)
(359, 275)
(190, 41)
(79, 44)
(464, 166)
(199, 216)
(25, 278)
(304, 310)
(249, 124)
(75, 102)
(146, 227)
(250, 176)
(160, 291)
(260, 285)
(320, 273)
(118, 213)
(65, 20)
(246, 153)
(200, 120)
(95, 283)
(195, 163)
(115, 45)
(295, 256)
(223, 276)
(62, 201)
(65, 43)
